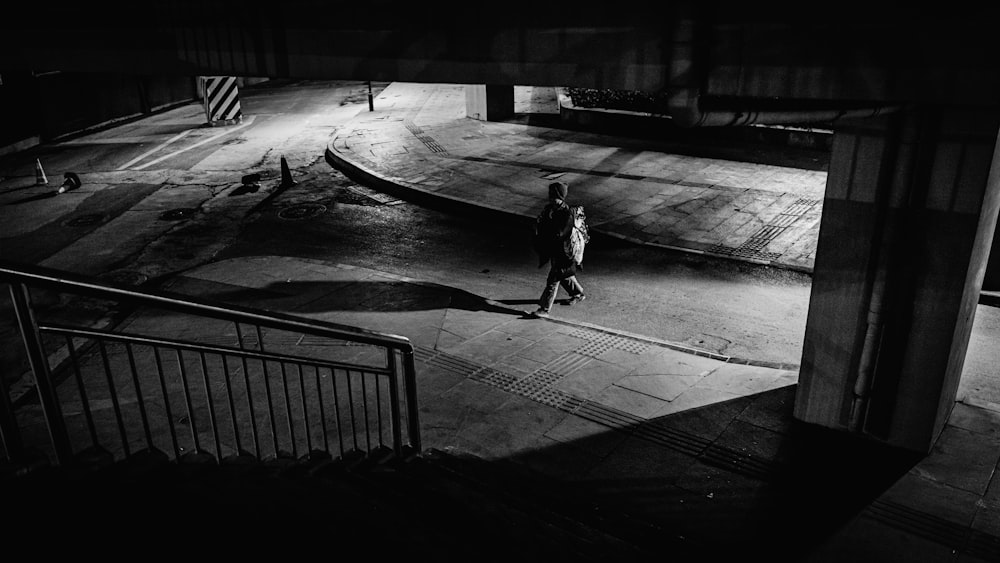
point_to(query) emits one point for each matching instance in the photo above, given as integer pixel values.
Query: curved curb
(412, 192)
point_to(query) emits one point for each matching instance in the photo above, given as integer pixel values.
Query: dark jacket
(552, 228)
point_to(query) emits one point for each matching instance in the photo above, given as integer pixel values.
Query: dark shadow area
(759, 145)
(245, 189)
(735, 480)
(518, 301)
(21, 188)
(357, 296)
(98, 208)
(35, 197)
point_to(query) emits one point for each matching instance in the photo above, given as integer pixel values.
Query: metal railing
(183, 376)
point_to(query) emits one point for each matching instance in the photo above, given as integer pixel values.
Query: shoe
(540, 313)
(576, 299)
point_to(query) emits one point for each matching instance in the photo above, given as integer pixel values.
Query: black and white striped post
(222, 100)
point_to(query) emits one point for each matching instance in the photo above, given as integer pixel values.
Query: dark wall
(51, 105)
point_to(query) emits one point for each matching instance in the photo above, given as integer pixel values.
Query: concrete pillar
(489, 102)
(991, 282)
(908, 220)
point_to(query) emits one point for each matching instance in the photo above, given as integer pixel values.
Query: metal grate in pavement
(742, 252)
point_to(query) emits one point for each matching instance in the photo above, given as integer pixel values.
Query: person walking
(553, 229)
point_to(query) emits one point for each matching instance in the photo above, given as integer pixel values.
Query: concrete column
(991, 282)
(908, 221)
(489, 102)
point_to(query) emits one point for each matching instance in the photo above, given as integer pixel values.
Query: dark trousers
(559, 275)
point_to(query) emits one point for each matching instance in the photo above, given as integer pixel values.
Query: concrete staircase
(432, 505)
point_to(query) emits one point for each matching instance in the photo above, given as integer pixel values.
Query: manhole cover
(85, 220)
(125, 277)
(302, 211)
(177, 214)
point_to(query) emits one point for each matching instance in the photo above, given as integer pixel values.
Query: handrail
(47, 277)
(300, 402)
(180, 344)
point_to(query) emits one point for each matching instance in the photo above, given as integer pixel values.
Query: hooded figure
(552, 231)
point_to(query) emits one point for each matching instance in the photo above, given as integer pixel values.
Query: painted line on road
(151, 151)
(245, 123)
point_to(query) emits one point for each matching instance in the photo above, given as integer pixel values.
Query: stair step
(439, 505)
(573, 502)
(500, 507)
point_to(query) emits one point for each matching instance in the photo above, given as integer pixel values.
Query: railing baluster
(246, 379)
(288, 411)
(166, 402)
(350, 406)
(336, 413)
(211, 407)
(364, 402)
(378, 408)
(232, 405)
(138, 396)
(397, 433)
(267, 391)
(114, 399)
(412, 412)
(85, 403)
(39, 363)
(10, 435)
(322, 411)
(187, 401)
(305, 408)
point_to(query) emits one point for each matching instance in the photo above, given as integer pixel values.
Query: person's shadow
(366, 295)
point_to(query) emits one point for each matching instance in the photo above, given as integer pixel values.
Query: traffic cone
(71, 182)
(40, 178)
(286, 174)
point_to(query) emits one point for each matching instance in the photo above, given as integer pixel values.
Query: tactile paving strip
(963, 539)
(599, 342)
(424, 138)
(754, 246)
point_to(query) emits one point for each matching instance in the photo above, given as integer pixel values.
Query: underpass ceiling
(720, 49)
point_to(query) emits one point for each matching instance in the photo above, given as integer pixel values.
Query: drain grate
(302, 211)
(744, 251)
(85, 220)
(177, 214)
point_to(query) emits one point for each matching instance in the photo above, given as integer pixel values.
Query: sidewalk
(706, 448)
(700, 448)
(419, 143)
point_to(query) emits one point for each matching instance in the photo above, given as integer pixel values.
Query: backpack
(579, 236)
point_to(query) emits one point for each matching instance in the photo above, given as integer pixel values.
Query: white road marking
(151, 151)
(245, 123)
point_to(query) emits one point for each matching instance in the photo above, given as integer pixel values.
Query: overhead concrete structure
(912, 196)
